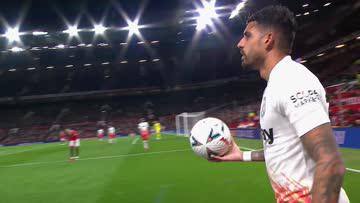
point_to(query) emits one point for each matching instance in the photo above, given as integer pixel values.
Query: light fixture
(16, 49)
(12, 70)
(12, 34)
(38, 33)
(327, 4)
(124, 62)
(133, 28)
(206, 14)
(236, 11)
(305, 5)
(72, 30)
(32, 68)
(99, 29)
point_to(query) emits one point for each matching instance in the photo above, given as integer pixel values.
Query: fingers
(214, 158)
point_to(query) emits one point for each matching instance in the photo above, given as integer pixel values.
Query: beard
(250, 63)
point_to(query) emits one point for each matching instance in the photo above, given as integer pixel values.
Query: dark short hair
(281, 19)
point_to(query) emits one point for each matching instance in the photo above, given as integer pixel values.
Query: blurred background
(83, 64)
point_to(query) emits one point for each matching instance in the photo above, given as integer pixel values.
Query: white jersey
(100, 131)
(143, 126)
(293, 103)
(111, 130)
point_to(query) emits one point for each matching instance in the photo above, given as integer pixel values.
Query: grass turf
(123, 172)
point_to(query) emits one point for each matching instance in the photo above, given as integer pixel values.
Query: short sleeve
(305, 107)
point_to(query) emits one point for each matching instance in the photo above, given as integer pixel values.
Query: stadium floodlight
(306, 13)
(99, 29)
(60, 46)
(305, 5)
(206, 14)
(133, 28)
(12, 34)
(39, 33)
(16, 49)
(72, 30)
(236, 11)
(327, 4)
(340, 46)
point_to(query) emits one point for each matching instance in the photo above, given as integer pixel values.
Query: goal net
(185, 121)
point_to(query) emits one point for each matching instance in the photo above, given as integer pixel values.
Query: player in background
(62, 137)
(74, 143)
(302, 158)
(111, 134)
(100, 134)
(143, 127)
(157, 129)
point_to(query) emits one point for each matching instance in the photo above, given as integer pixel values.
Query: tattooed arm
(321, 146)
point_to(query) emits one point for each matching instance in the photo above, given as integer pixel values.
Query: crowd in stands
(239, 109)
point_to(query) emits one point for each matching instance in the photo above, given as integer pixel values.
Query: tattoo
(329, 171)
(257, 155)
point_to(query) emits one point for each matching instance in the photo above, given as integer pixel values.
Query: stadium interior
(88, 63)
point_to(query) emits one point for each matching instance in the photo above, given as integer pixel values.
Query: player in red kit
(74, 143)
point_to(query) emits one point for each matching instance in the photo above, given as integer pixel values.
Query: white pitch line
(353, 170)
(134, 141)
(18, 152)
(94, 158)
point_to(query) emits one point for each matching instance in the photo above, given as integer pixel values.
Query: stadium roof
(63, 46)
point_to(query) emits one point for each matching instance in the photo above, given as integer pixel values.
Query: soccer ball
(210, 136)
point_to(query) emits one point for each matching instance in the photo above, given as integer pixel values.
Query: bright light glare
(16, 49)
(38, 33)
(133, 28)
(206, 15)
(236, 11)
(12, 34)
(99, 29)
(72, 30)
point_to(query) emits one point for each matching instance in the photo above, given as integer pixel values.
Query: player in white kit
(111, 134)
(100, 134)
(300, 152)
(143, 127)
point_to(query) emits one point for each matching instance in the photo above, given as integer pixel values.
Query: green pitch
(122, 172)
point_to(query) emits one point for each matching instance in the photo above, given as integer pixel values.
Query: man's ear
(269, 40)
